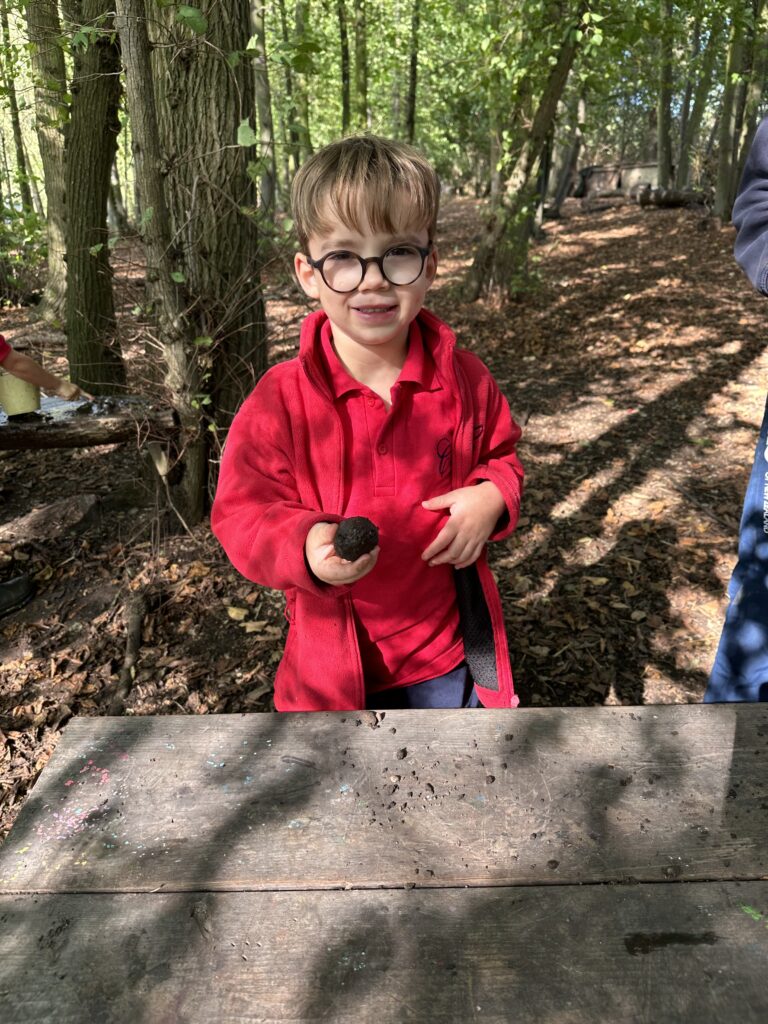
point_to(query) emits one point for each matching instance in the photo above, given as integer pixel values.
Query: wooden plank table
(569, 865)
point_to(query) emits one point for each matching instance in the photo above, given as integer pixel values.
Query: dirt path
(639, 366)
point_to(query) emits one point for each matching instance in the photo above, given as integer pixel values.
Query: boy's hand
(474, 512)
(326, 564)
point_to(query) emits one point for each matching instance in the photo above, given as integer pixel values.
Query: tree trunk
(345, 79)
(268, 180)
(113, 425)
(725, 189)
(361, 111)
(117, 215)
(37, 199)
(664, 116)
(542, 183)
(745, 78)
(22, 170)
(301, 86)
(669, 197)
(182, 373)
(7, 179)
(496, 111)
(413, 70)
(205, 258)
(754, 89)
(685, 108)
(291, 141)
(90, 147)
(501, 263)
(571, 160)
(700, 97)
(51, 113)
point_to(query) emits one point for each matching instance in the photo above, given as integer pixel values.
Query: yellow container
(17, 396)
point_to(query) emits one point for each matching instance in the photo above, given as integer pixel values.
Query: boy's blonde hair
(365, 179)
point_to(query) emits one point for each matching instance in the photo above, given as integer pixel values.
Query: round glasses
(344, 271)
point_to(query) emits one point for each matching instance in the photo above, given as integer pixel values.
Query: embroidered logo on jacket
(444, 450)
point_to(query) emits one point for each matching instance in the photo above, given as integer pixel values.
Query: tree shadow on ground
(629, 451)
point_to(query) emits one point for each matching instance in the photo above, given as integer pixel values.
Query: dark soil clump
(355, 536)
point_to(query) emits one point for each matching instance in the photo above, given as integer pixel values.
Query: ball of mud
(355, 537)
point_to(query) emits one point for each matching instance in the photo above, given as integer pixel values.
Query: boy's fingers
(348, 572)
(323, 533)
(326, 532)
(368, 557)
(469, 559)
(452, 555)
(440, 501)
(441, 541)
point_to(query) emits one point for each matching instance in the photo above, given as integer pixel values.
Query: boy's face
(377, 313)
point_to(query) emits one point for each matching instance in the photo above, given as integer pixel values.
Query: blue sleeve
(750, 212)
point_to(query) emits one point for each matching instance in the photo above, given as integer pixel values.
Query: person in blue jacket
(740, 671)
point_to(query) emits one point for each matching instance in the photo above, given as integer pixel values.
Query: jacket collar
(437, 339)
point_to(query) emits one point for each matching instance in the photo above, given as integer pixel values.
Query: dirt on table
(637, 367)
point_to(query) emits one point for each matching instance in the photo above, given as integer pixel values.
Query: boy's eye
(401, 250)
(341, 257)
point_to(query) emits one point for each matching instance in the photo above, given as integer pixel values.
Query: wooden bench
(570, 865)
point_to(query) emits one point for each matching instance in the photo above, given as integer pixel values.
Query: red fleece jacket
(282, 472)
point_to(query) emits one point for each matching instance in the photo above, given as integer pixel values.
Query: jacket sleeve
(257, 513)
(750, 212)
(495, 446)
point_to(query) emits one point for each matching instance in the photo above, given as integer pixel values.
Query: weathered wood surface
(441, 798)
(62, 424)
(664, 953)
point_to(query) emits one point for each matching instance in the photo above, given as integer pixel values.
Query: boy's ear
(306, 275)
(430, 266)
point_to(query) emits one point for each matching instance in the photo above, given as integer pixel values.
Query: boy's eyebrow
(347, 243)
(338, 243)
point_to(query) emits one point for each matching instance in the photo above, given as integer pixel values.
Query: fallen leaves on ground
(638, 366)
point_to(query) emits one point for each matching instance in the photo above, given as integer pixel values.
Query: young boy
(379, 416)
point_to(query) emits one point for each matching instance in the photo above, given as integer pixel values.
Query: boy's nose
(372, 277)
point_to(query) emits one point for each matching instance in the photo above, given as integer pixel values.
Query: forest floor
(638, 367)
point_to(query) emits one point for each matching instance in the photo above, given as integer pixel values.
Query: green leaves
(85, 35)
(192, 18)
(298, 54)
(246, 136)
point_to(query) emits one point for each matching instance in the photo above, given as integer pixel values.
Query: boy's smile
(373, 319)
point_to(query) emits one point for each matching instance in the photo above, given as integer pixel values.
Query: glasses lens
(402, 265)
(342, 271)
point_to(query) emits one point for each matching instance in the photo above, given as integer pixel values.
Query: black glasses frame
(364, 261)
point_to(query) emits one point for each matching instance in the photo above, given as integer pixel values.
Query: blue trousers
(453, 690)
(740, 672)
